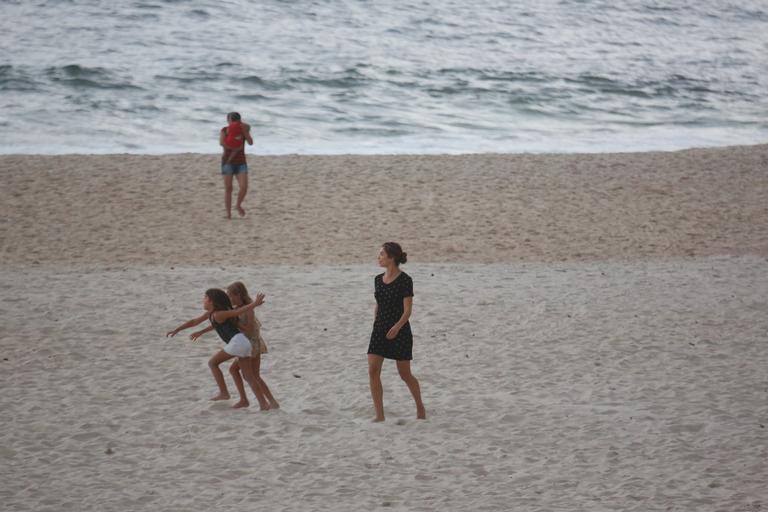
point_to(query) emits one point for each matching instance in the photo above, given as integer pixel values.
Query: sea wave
(577, 75)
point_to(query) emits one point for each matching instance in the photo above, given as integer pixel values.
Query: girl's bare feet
(241, 211)
(421, 413)
(377, 420)
(241, 404)
(221, 396)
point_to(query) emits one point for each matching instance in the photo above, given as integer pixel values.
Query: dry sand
(590, 333)
(338, 209)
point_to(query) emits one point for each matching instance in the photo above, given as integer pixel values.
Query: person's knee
(407, 376)
(215, 361)
(234, 370)
(374, 372)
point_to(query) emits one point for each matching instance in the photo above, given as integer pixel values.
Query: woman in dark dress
(391, 337)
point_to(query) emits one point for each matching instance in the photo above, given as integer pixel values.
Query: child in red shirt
(236, 133)
(234, 137)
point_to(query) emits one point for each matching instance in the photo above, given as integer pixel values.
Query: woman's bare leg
(377, 391)
(234, 370)
(404, 369)
(247, 368)
(242, 182)
(213, 363)
(228, 194)
(256, 365)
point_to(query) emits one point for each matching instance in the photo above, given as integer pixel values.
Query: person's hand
(393, 332)
(259, 299)
(195, 335)
(171, 334)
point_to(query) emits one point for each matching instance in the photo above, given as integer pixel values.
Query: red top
(234, 135)
(232, 145)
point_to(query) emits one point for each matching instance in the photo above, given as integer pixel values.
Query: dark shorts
(227, 169)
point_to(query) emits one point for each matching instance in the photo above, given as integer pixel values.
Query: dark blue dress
(389, 298)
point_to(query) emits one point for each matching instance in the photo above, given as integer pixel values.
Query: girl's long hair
(220, 300)
(238, 288)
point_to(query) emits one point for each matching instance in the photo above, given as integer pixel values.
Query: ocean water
(396, 76)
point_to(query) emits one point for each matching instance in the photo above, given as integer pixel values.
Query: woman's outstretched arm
(199, 333)
(187, 325)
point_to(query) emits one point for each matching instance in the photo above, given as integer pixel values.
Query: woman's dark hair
(220, 300)
(233, 116)
(395, 252)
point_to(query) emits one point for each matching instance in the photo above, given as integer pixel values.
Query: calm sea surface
(396, 76)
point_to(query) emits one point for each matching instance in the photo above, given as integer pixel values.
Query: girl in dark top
(391, 337)
(218, 310)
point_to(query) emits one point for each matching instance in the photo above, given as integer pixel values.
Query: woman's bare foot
(264, 406)
(241, 211)
(221, 396)
(377, 419)
(274, 405)
(421, 413)
(241, 404)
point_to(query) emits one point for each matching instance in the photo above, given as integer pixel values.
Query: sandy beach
(337, 209)
(590, 333)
